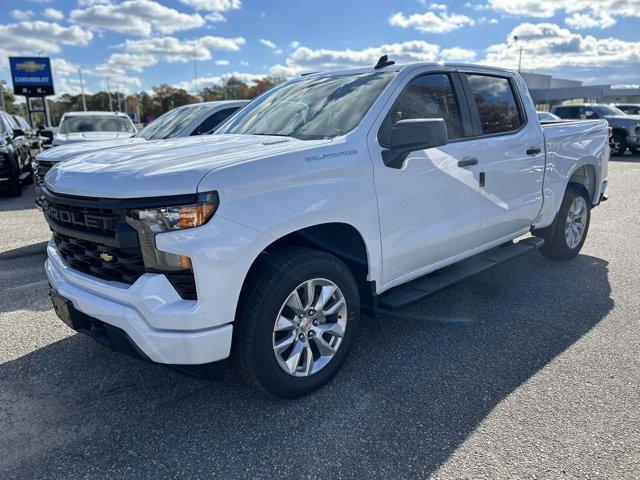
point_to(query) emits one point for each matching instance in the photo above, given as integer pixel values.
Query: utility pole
(2, 84)
(109, 94)
(515, 39)
(84, 102)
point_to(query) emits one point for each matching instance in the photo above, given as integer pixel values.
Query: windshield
(91, 123)
(172, 123)
(607, 110)
(311, 108)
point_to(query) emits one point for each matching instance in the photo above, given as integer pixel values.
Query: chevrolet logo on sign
(31, 66)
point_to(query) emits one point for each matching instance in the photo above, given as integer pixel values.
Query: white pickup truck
(329, 194)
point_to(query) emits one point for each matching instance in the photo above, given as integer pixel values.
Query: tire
(269, 286)
(14, 185)
(618, 144)
(558, 244)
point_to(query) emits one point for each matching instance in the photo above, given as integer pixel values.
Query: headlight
(150, 221)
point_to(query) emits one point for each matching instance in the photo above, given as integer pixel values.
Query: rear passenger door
(430, 208)
(512, 150)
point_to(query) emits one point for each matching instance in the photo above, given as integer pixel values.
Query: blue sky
(141, 43)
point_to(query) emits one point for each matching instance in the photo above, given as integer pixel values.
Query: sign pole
(46, 111)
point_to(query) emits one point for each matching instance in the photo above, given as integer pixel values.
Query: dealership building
(547, 90)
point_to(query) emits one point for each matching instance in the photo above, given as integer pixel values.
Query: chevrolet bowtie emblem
(105, 257)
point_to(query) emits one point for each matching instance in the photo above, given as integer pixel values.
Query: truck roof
(399, 67)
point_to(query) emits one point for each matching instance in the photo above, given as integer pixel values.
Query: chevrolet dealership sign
(31, 76)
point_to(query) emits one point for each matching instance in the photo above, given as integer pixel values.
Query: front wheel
(297, 321)
(564, 238)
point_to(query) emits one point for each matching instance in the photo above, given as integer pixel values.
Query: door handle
(534, 151)
(467, 162)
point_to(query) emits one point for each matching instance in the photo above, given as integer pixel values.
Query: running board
(419, 288)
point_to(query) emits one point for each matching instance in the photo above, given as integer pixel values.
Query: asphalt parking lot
(529, 370)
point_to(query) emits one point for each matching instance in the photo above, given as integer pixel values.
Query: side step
(419, 288)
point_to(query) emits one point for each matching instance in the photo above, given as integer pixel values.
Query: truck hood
(623, 120)
(166, 167)
(65, 152)
(66, 138)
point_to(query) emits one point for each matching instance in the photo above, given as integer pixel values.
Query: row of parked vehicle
(26, 153)
(19, 145)
(623, 119)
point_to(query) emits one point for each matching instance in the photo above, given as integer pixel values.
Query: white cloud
(549, 46)
(130, 62)
(213, 5)
(295, 44)
(430, 22)
(209, 80)
(53, 14)
(215, 17)
(30, 38)
(21, 14)
(244, 63)
(222, 62)
(580, 13)
(268, 43)
(136, 17)
(304, 59)
(172, 49)
(457, 54)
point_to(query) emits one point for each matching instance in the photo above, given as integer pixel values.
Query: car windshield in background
(171, 124)
(311, 108)
(87, 123)
(606, 110)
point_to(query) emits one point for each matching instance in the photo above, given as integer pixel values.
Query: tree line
(145, 107)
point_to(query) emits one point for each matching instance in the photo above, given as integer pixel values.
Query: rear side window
(428, 96)
(496, 102)
(568, 112)
(214, 120)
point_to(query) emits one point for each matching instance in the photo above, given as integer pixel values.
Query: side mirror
(411, 135)
(18, 132)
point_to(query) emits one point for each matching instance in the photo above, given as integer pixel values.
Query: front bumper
(150, 312)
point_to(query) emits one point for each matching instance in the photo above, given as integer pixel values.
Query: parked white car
(330, 193)
(91, 126)
(194, 119)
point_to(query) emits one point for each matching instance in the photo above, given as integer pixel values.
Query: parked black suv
(15, 156)
(626, 128)
(35, 140)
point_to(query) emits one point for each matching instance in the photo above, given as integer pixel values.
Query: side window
(214, 120)
(427, 96)
(589, 113)
(569, 113)
(496, 102)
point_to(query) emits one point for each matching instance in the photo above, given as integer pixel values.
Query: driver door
(429, 208)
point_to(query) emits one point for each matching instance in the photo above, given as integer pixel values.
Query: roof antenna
(383, 61)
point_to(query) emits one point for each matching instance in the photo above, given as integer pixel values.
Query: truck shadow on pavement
(417, 385)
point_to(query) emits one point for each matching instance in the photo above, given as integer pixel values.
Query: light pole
(84, 102)
(109, 94)
(515, 39)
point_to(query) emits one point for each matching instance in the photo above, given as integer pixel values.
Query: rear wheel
(297, 321)
(566, 236)
(618, 144)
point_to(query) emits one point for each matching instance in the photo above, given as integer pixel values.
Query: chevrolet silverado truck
(78, 127)
(194, 119)
(330, 194)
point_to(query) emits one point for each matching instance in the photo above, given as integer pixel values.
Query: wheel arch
(587, 176)
(340, 239)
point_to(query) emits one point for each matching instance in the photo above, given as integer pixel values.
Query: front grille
(94, 220)
(110, 263)
(92, 236)
(41, 170)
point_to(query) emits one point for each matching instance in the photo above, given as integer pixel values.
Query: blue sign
(31, 76)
